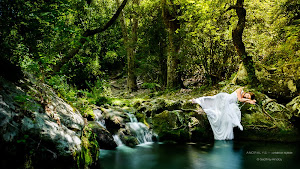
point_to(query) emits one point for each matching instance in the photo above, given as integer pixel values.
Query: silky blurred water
(215, 155)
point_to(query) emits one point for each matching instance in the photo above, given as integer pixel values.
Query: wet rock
(129, 141)
(103, 137)
(114, 120)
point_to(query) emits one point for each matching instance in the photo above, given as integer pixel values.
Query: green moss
(88, 113)
(90, 149)
(166, 126)
(129, 141)
(141, 117)
(164, 121)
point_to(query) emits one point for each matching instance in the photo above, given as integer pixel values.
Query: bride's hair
(252, 95)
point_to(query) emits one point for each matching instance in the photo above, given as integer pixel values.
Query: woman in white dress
(223, 112)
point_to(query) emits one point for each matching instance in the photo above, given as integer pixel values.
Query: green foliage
(23, 139)
(84, 100)
(26, 103)
(207, 44)
(274, 27)
(151, 86)
(151, 55)
(37, 35)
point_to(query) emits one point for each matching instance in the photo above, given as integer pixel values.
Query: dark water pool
(216, 155)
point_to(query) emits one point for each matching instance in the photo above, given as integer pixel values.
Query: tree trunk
(163, 64)
(237, 35)
(130, 45)
(173, 77)
(172, 24)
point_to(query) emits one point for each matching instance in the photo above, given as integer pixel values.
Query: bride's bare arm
(241, 99)
(247, 100)
(239, 94)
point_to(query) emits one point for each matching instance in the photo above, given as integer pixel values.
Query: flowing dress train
(223, 114)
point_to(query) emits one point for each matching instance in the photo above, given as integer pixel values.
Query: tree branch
(108, 24)
(86, 34)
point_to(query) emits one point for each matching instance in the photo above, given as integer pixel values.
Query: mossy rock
(188, 105)
(114, 119)
(169, 126)
(164, 120)
(277, 110)
(174, 105)
(129, 141)
(150, 108)
(281, 83)
(90, 149)
(103, 136)
(141, 117)
(294, 106)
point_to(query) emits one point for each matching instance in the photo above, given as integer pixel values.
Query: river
(215, 155)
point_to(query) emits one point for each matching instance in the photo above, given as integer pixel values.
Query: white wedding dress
(223, 114)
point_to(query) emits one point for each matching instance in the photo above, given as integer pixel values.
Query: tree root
(261, 126)
(264, 110)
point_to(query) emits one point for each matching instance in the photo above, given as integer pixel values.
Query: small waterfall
(99, 118)
(132, 118)
(140, 130)
(117, 140)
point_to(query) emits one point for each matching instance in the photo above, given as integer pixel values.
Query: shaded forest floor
(118, 92)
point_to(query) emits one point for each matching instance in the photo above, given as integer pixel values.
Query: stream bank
(38, 125)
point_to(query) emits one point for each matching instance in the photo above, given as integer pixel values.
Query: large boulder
(50, 127)
(56, 106)
(174, 120)
(171, 126)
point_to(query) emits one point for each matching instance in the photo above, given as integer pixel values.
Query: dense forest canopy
(160, 43)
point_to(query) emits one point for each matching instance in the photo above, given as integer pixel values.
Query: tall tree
(130, 45)
(237, 37)
(170, 14)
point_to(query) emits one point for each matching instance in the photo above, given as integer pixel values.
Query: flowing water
(215, 155)
(140, 130)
